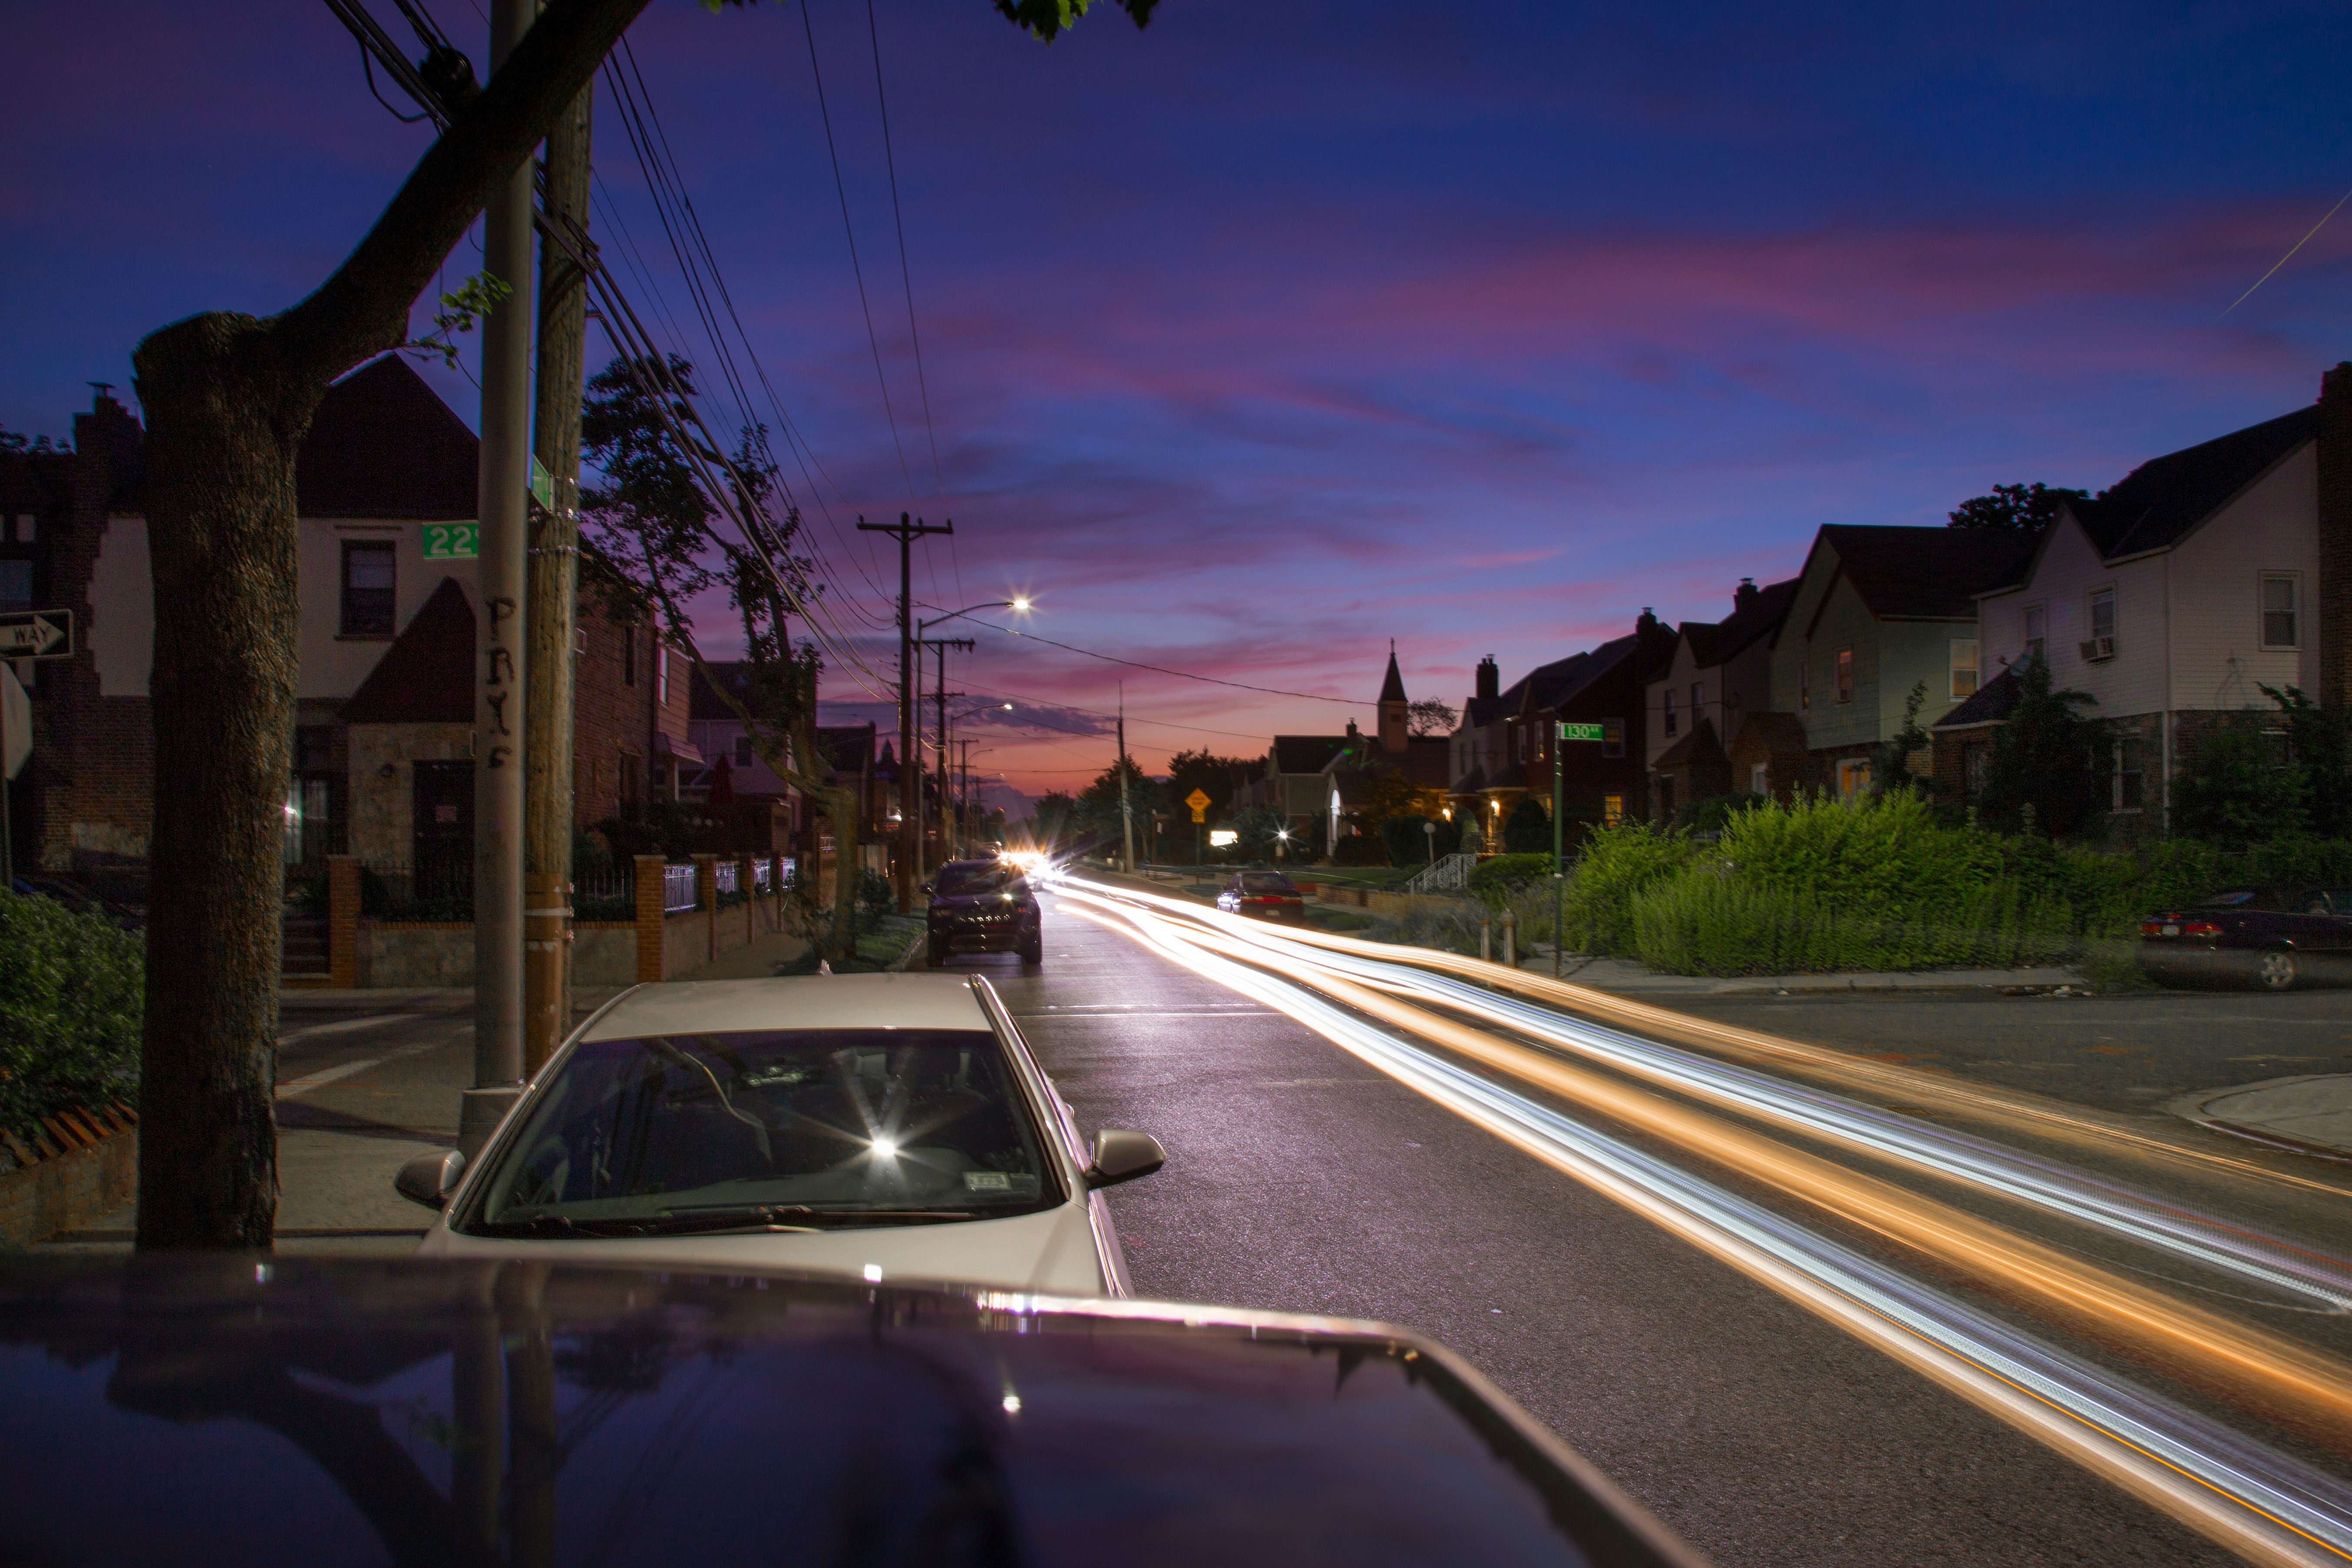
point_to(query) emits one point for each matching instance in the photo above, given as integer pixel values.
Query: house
(1878, 612)
(2172, 599)
(1313, 779)
(384, 487)
(1718, 676)
(1509, 740)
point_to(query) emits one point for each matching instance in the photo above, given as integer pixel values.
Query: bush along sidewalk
(1823, 885)
(71, 991)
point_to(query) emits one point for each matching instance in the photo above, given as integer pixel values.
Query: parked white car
(888, 1126)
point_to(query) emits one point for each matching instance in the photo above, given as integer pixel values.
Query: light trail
(2256, 1501)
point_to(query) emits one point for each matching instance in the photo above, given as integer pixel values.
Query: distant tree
(1261, 827)
(2050, 759)
(1388, 795)
(1429, 717)
(1095, 814)
(1411, 842)
(2020, 509)
(1528, 830)
(1051, 825)
(1213, 776)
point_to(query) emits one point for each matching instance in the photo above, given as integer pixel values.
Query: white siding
(2220, 661)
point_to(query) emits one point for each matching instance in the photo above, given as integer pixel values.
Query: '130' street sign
(1580, 732)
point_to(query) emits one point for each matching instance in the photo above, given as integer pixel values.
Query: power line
(905, 275)
(1161, 670)
(1093, 714)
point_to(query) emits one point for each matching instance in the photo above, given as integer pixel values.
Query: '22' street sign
(1580, 732)
(36, 634)
(452, 541)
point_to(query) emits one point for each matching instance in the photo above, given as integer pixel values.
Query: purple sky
(1261, 337)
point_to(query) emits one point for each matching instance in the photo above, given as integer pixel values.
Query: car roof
(802, 1002)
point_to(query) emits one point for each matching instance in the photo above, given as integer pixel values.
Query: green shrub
(1496, 879)
(70, 999)
(1619, 864)
(1709, 920)
(1528, 830)
(1409, 844)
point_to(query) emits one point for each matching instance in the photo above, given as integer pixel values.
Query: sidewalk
(2311, 1113)
(1622, 978)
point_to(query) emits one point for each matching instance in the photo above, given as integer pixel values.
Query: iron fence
(678, 888)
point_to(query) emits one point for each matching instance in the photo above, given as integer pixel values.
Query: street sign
(542, 486)
(36, 634)
(1199, 801)
(1580, 732)
(453, 540)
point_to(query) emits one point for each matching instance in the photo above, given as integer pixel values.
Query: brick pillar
(343, 921)
(650, 924)
(2332, 610)
(706, 889)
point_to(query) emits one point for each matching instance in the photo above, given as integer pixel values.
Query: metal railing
(1449, 873)
(605, 885)
(724, 875)
(678, 888)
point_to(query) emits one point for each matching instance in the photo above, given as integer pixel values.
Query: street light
(1018, 606)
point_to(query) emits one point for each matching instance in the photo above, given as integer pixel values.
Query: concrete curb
(2310, 1114)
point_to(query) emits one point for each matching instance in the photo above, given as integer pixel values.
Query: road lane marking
(343, 1027)
(326, 1076)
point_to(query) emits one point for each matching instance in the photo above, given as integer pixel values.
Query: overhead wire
(1163, 669)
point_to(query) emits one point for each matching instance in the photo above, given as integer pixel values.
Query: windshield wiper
(763, 1215)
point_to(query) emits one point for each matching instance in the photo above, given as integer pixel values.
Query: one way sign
(36, 634)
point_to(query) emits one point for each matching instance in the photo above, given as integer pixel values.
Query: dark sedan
(2272, 937)
(984, 906)
(1268, 895)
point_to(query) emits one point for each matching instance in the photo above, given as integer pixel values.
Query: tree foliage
(1047, 19)
(1528, 830)
(69, 1011)
(2020, 509)
(2050, 766)
(1430, 717)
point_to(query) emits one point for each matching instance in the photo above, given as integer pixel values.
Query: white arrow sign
(36, 634)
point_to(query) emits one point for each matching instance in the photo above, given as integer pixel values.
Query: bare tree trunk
(229, 399)
(844, 941)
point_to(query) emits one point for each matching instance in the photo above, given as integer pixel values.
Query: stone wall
(86, 1165)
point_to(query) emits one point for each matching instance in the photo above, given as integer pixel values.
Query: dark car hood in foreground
(308, 1411)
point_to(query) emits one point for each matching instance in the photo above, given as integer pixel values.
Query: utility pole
(1126, 812)
(504, 480)
(554, 594)
(963, 794)
(940, 645)
(905, 531)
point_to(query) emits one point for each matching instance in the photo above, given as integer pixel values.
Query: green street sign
(1580, 732)
(452, 541)
(542, 485)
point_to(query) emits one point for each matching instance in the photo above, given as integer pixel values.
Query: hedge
(70, 999)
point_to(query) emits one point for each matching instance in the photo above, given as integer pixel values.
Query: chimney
(1743, 598)
(1648, 623)
(109, 435)
(1490, 679)
(2334, 595)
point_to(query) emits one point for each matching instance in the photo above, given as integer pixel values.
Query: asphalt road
(1302, 1180)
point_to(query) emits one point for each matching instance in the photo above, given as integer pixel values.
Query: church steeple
(1392, 705)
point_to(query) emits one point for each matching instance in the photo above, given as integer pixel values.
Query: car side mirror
(1122, 1157)
(927, 889)
(430, 1179)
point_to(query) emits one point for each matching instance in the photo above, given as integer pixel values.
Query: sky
(1256, 339)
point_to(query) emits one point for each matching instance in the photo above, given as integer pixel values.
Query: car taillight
(2151, 928)
(2201, 928)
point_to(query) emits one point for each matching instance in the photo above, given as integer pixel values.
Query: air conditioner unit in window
(2098, 649)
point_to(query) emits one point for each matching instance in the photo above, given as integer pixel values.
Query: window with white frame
(2131, 775)
(2282, 618)
(2102, 643)
(1964, 667)
(1670, 724)
(1699, 700)
(2037, 631)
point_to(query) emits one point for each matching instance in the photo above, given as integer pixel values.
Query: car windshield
(970, 881)
(1265, 882)
(815, 1128)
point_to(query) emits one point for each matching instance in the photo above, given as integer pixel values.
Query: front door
(443, 848)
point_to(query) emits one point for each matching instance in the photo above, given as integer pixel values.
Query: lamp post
(1428, 830)
(947, 730)
(1018, 606)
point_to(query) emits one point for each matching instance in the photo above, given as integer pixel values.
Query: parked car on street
(873, 1125)
(982, 906)
(2272, 938)
(1268, 895)
(308, 1410)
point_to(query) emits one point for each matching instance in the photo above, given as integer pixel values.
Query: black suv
(984, 906)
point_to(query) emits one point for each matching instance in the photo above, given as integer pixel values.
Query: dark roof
(427, 676)
(1993, 703)
(2163, 498)
(1931, 573)
(1699, 746)
(1777, 734)
(702, 702)
(1760, 617)
(1392, 688)
(1427, 760)
(1470, 782)
(383, 444)
(1306, 753)
(1559, 681)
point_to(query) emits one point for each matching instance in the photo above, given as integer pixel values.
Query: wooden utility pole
(549, 665)
(939, 647)
(909, 870)
(1126, 814)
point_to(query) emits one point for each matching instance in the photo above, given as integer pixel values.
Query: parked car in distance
(2272, 937)
(873, 1125)
(310, 1410)
(982, 906)
(1268, 895)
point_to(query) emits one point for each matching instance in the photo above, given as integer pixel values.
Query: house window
(1804, 687)
(1964, 667)
(1760, 778)
(1975, 767)
(2279, 607)
(1613, 809)
(661, 676)
(1845, 675)
(369, 578)
(742, 751)
(629, 656)
(1612, 737)
(2102, 643)
(1670, 710)
(15, 584)
(2037, 631)
(1699, 700)
(27, 529)
(2130, 777)
(1853, 779)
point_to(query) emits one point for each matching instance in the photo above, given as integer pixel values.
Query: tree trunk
(225, 420)
(844, 941)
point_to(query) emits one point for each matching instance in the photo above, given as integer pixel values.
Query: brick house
(2171, 599)
(1314, 780)
(383, 763)
(1718, 676)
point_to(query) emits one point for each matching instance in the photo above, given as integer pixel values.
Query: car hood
(1052, 1251)
(979, 901)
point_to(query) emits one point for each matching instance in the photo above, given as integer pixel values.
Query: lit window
(370, 576)
(1964, 667)
(1670, 710)
(1853, 780)
(2279, 607)
(27, 529)
(2037, 631)
(1613, 809)
(1845, 675)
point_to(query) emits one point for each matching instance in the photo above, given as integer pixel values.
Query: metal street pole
(909, 871)
(554, 570)
(1126, 814)
(504, 480)
(1558, 847)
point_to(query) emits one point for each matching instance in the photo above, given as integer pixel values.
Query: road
(1301, 1178)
